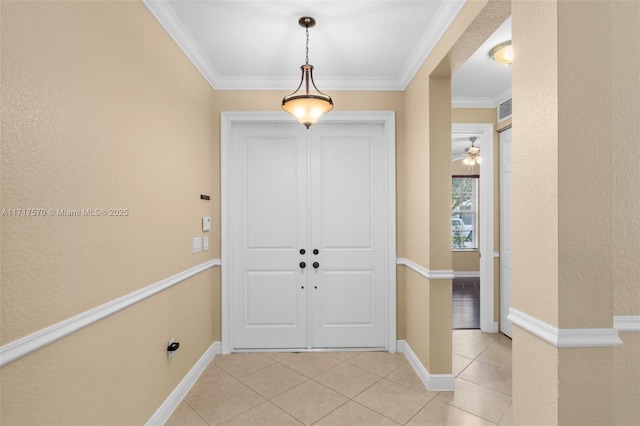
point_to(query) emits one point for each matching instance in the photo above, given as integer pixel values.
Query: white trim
(626, 322)
(174, 399)
(466, 274)
(443, 18)
(486, 218)
(433, 382)
(479, 102)
(165, 15)
(430, 274)
(565, 337)
(387, 118)
(24, 346)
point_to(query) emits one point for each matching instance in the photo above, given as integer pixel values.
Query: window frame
(456, 240)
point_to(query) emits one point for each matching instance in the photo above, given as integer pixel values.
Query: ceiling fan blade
(458, 157)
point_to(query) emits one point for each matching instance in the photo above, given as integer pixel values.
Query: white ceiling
(356, 44)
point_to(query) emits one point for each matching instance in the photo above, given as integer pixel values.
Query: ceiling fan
(470, 152)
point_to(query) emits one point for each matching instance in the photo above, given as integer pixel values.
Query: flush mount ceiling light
(473, 154)
(309, 104)
(502, 53)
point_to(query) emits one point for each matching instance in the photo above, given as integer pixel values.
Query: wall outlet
(170, 354)
(205, 243)
(197, 245)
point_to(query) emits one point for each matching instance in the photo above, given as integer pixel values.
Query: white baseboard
(433, 382)
(174, 399)
(494, 328)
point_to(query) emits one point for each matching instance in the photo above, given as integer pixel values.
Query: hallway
(352, 388)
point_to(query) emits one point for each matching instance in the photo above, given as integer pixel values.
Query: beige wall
(101, 110)
(626, 207)
(424, 181)
(572, 136)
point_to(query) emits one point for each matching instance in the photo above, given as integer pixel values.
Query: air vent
(504, 111)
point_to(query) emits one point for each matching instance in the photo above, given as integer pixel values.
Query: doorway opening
(468, 301)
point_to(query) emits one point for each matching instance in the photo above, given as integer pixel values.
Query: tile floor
(352, 388)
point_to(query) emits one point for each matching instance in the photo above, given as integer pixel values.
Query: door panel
(348, 227)
(347, 299)
(322, 189)
(269, 226)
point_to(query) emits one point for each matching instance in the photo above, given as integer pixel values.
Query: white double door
(308, 235)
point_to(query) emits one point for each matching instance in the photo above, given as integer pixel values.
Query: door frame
(487, 272)
(505, 322)
(227, 120)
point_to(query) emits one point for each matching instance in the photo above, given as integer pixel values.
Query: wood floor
(466, 303)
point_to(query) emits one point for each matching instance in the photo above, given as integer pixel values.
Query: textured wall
(101, 110)
(575, 136)
(626, 196)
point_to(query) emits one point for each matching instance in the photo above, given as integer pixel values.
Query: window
(464, 212)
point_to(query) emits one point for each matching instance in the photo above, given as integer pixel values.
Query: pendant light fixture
(309, 104)
(473, 154)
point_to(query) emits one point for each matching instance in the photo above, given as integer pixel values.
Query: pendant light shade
(307, 103)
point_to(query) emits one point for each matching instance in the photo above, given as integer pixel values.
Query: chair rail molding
(33, 342)
(565, 337)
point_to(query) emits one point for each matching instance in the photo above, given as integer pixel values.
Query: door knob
(316, 265)
(303, 265)
(315, 251)
(302, 251)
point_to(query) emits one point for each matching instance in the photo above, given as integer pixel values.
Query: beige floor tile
(279, 356)
(393, 400)
(185, 416)
(459, 363)
(273, 380)
(311, 364)
(406, 376)
(488, 376)
(211, 377)
(343, 355)
(438, 413)
(347, 379)
(476, 336)
(496, 355)
(380, 363)
(265, 414)
(507, 419)
(479, 400)
(502, 341)
(224, 402)
(309, 401)
(354, 414)
(241, 364)
(467, 348)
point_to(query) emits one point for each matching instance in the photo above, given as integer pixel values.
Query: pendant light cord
(307, 46)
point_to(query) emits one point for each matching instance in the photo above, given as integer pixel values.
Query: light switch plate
(205, 243)
(206, 223)
(197, 244)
